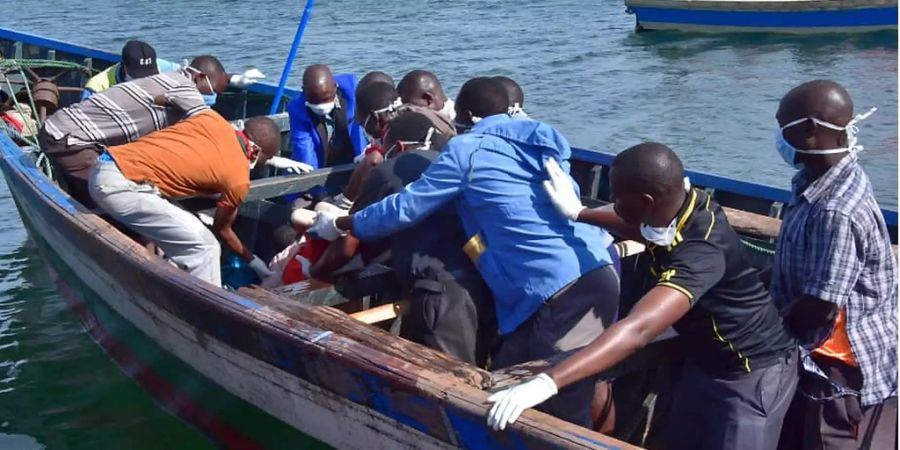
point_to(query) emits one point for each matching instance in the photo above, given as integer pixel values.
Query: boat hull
(292, 376)
(796, 17)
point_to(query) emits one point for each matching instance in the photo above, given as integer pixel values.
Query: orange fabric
(838, 345)
(199, 155)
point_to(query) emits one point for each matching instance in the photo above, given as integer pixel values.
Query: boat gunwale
(445, 389)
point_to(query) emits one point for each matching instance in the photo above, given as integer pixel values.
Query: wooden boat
(778, 16)
(290, 368)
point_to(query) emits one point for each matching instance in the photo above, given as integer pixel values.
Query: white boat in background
(771, 16)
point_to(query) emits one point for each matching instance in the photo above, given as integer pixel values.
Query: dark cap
(139, 59)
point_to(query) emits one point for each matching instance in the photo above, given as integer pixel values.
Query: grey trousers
(571, 319)
(738, 412)
(180, 234)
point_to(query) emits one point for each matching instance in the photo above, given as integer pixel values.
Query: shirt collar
(802, 187)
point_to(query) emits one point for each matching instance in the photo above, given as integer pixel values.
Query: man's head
(375, 77)
(479, 98)
(422, 88)
(138, 60)
(208, 74)
(319, 89)
(803, 111)
(411, 130)
(265, 136)
(374, 106)
(647, 181)
(513, 91)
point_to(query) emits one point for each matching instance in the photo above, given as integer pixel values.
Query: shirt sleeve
(836, 255)
(694, 268)
(444, 180)
(187, 99)
(302, 148)
(234, 195)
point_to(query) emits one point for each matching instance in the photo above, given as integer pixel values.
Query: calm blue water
(710, 97)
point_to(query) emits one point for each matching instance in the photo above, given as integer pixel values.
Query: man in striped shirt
(74, 136)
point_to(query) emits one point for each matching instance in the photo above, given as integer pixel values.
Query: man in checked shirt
(834, 278)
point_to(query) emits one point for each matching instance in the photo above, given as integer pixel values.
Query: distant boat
(771, 16)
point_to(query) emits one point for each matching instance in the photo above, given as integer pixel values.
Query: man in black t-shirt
(741, 368)
(451, 308)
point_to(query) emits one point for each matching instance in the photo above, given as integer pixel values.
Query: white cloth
(180, 234)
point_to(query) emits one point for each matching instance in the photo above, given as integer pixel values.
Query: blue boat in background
(769, 16)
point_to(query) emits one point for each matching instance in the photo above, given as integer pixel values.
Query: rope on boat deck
(758, 248)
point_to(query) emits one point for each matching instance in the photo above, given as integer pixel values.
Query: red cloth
(312, 250)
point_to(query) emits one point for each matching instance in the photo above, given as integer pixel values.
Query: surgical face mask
(209, 99)
(516, 112)
(789, 153)
(321, 109)
(663, 236)
(449, 110)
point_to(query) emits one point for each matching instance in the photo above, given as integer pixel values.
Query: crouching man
(201, 155)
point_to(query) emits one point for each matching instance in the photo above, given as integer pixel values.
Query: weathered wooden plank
(329, 177)
(342, 324)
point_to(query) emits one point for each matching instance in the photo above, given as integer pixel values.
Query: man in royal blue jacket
(323, 132)
(554, 285)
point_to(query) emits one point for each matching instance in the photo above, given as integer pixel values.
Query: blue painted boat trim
(844, 18)
(62, 46)
(731, 185)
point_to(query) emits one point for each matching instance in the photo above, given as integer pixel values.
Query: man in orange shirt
(201, 155)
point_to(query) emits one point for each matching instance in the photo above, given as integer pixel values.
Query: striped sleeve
(187, 99)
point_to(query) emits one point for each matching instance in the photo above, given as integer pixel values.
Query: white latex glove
(325, 228)
(304, 266)
(341, 201)
(242, 80)
(509, 403)
(561, 191)
(205, 218)
(260, 268)
(289, 165)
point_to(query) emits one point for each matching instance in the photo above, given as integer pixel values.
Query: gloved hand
(289, 165)
(242, 80)
(509, 403)
(341, 201)
(205, 218)
(325, 227)
(304, 266)
(261, 269)
(561, 191)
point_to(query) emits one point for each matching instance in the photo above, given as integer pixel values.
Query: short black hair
(513, 90)
(375, 77)
(374, 96)
(413, 126)
(650, 168)
(484, 97)
(417, 82)
(264, 131)
(209, 65)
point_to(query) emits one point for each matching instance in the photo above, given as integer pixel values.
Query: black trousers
(454, 316)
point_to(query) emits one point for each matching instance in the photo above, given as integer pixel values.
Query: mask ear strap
(427, 143)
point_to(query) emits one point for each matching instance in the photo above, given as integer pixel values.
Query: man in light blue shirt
(553, 281)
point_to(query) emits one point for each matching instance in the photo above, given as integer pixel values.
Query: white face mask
(789, 153)
(663, 236)
(321, 109)
(449, 110)
(516, 112)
